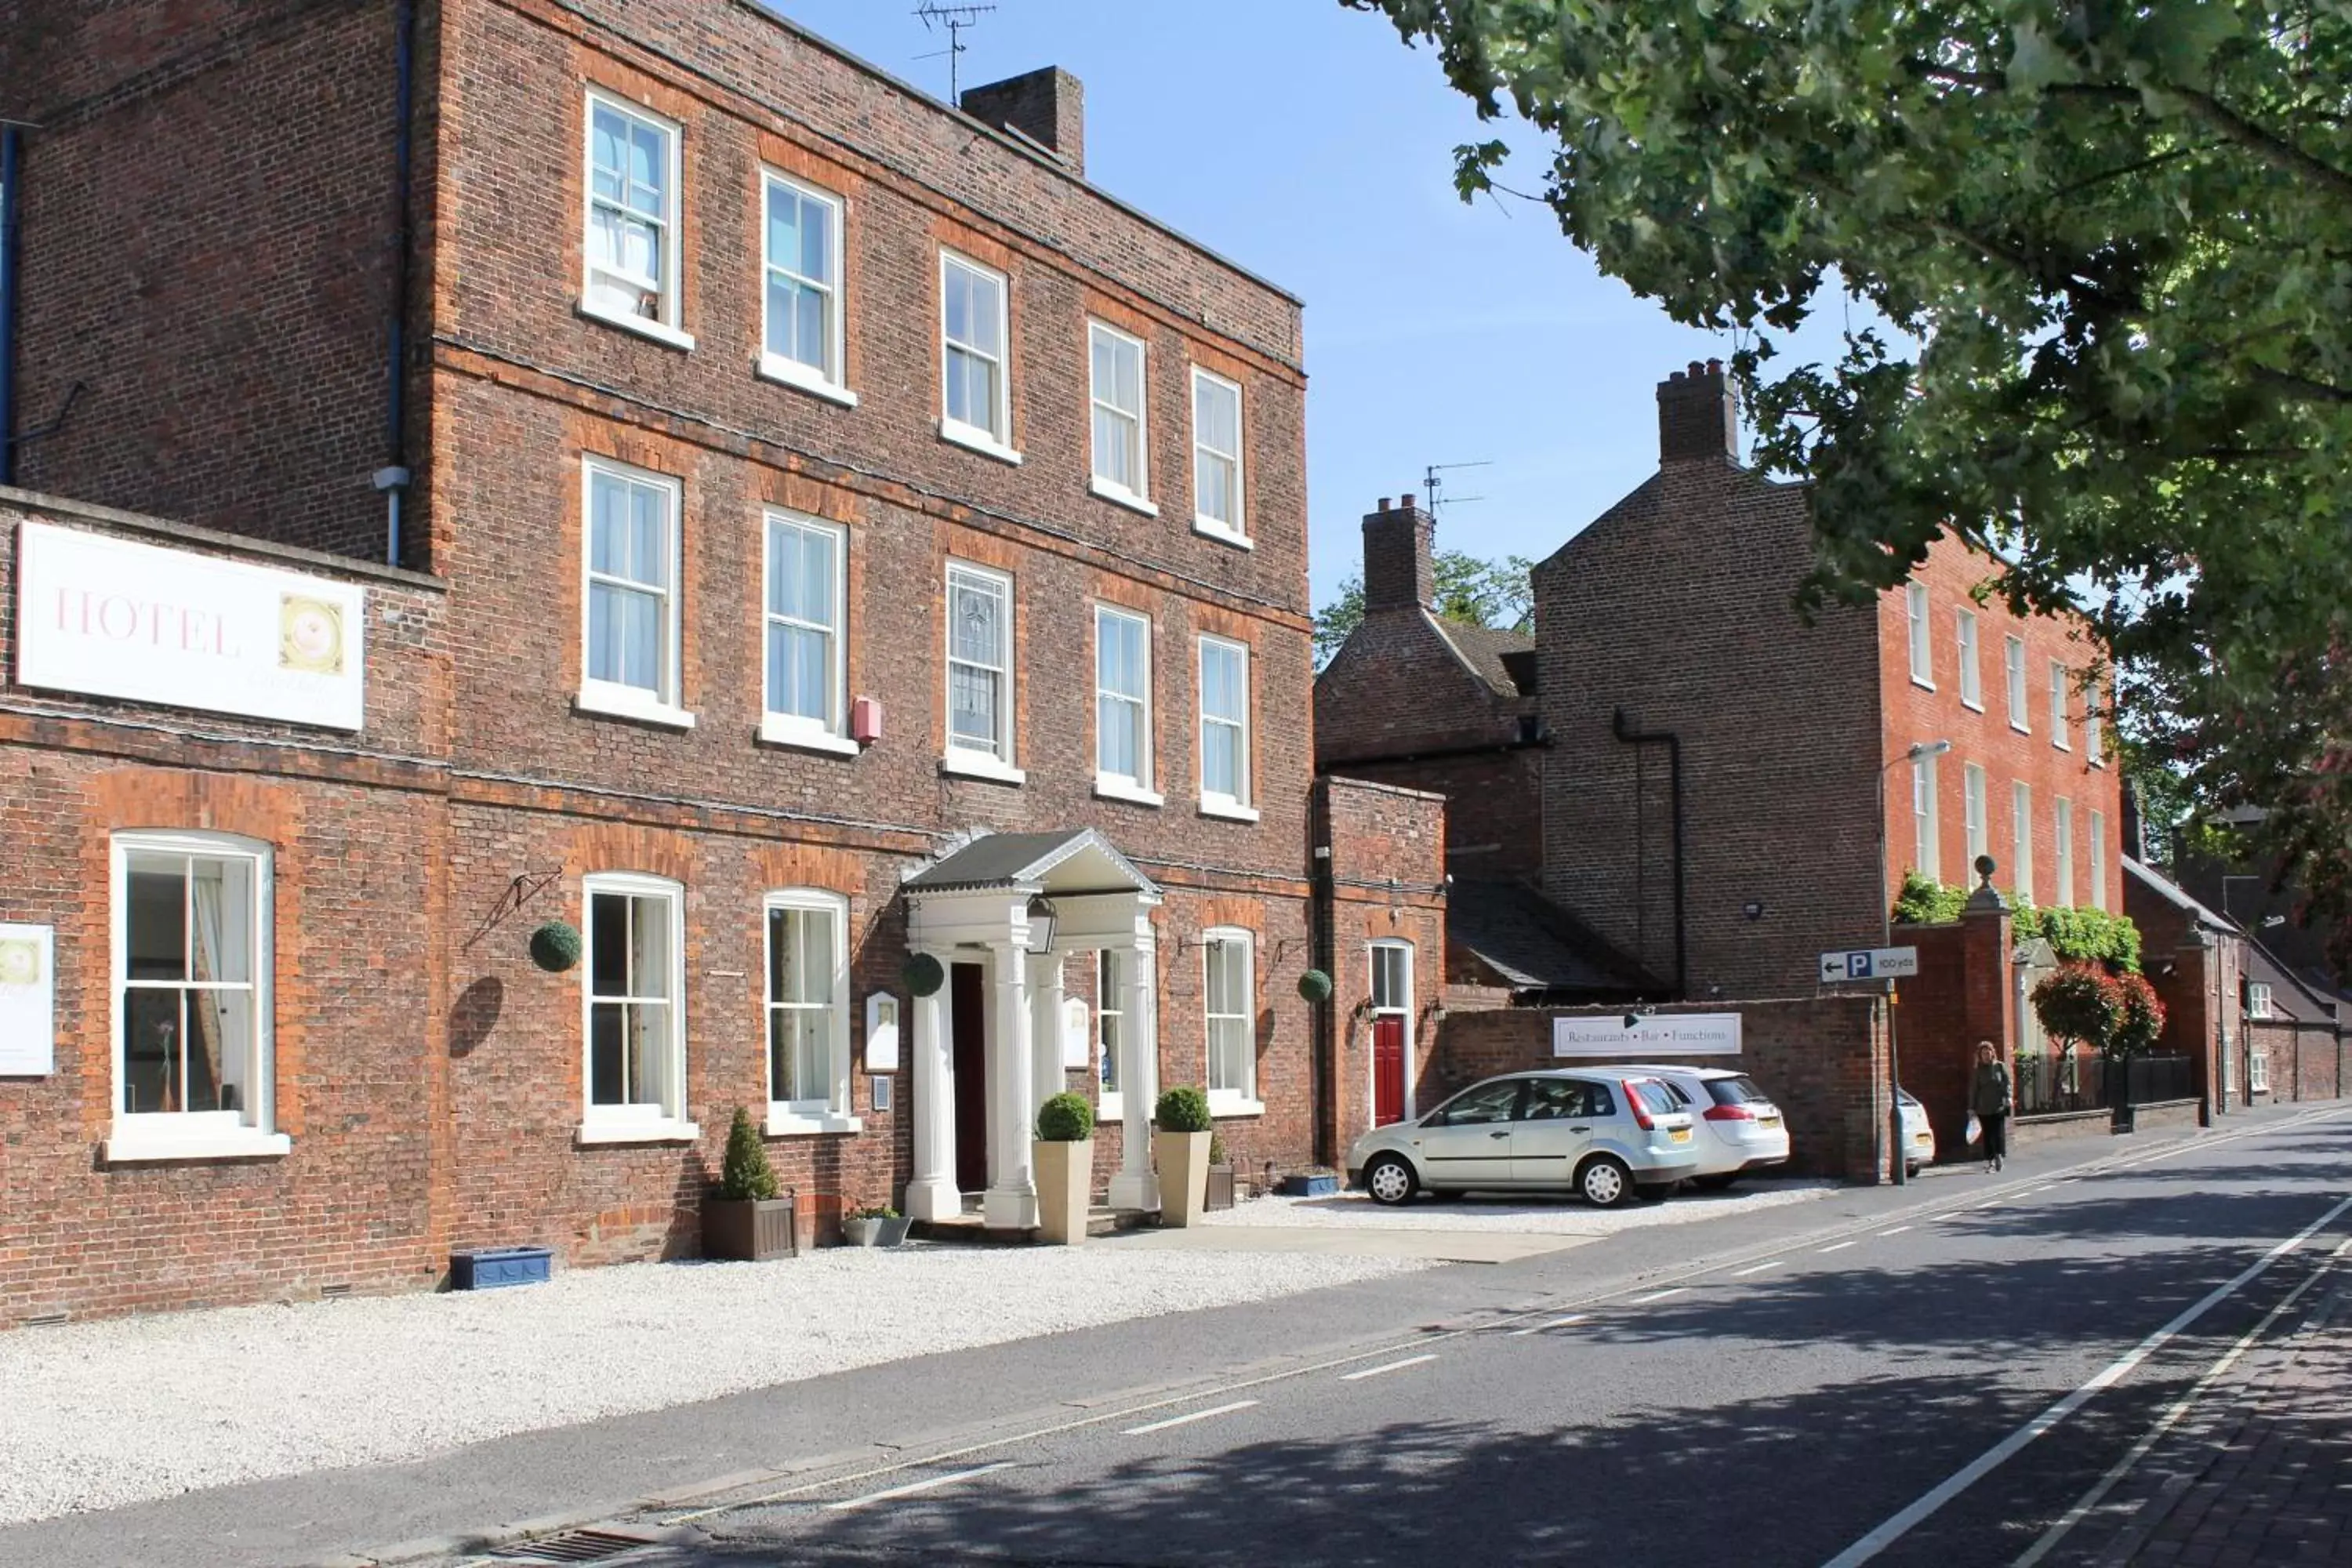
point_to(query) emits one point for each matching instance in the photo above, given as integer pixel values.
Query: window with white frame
(1972, 793)
(2064, 810)
(1227, 960)
(633, 229)
(1971, 666)
(2098, 861)
(806, 570)
(635, 969)
(2093, 748)
(980, 664)
(192, 972)
(1923, 671)
(2013, 667)
(1122, 700)
(2258, 1070)
(631, 657)
(1110, 1019)
(2021, 811)
(1116, 382)
(2058, 706)
(976, 354)
(1924, 835)
(1224, 725)
(1217, 456)
(808, 1009)
(801, 339)
(2258, 999)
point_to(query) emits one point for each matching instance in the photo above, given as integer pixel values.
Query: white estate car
(1918, 1134)
(1604, 1134)
(1739, 1129)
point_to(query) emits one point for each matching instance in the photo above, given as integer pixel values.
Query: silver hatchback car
(1606, 1136)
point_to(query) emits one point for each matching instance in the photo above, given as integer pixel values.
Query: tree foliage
(1477, 593)
(2143, 1017)
(2080, 1003)
(2115, 243)
(745, 1172)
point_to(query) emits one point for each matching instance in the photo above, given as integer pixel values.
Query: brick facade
(1383, 882)
(451, 1113)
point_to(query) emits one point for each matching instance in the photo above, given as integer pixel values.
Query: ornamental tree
(2143, 1017)
(2081, 1004)
(2114, 245)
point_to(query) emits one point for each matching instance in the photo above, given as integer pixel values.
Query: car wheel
(1715, 1183)
(1911, 1170)
(1390, 1180)
(1604, 1181)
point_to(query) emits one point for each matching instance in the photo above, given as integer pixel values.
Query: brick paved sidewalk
(2273, 1484)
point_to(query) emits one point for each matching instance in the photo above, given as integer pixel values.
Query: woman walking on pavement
(1989, 1098)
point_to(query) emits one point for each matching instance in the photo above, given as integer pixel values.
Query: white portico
(1001, 915)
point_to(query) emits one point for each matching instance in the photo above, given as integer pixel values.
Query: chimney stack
(1398, 568)
(1697, 414)
(1047, 106)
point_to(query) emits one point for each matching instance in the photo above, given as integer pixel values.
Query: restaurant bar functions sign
(28, 997)
(111, 619)
(1662, 1034)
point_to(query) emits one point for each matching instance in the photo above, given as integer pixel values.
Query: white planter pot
(1184, 1159)
(1065, 1178)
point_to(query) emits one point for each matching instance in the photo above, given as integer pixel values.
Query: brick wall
(1817, 1056)
(1674, 607)
(1385, 883)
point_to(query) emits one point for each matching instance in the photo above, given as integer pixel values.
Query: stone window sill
(628, 702)
(1230, 1104)
(974, 766)
(778, 731)
(1107, 787)
(973, 438)
(1210, 528)
(144, 1148)
(785, 1123)
(662, 1131)
(1102, 490)
(1231, 811)
(794, 374)
(660, 331)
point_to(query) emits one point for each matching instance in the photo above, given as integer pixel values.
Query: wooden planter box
(750, 1230)
(1220, 1194)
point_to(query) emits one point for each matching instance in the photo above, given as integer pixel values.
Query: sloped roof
(1535, 946)
(1487, 651)
(1016, 862)
(2172, 893)
(2291, 994)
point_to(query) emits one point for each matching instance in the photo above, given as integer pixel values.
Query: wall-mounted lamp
(1042, 916)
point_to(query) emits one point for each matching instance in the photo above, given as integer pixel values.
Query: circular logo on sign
(310, 635)
(20, 962)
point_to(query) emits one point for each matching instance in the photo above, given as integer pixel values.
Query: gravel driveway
(1555, 1216)
(98, 1414)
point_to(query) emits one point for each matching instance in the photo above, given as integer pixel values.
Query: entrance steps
(967, 1226)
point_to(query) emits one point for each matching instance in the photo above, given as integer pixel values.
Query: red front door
(1388, 1069)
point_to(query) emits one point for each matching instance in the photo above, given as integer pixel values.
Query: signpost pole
(1895, 1151)
(1898, 1164)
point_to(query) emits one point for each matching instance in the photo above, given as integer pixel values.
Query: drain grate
(574, 1546)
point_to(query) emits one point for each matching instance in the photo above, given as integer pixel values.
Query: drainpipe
(11, 155)
(1320, 917)
(392, 478)
(1674, 744)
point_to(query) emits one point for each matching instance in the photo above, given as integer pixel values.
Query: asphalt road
(1915, 1376)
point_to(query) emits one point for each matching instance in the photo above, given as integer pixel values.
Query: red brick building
(823, 528)
(1712, 787)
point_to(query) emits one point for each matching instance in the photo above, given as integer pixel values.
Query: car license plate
(1768, 1122)
(1679, 1135)
(1922, 1138)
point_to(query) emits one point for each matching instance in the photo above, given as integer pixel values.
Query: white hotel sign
(111, 619)
(1660, 1035)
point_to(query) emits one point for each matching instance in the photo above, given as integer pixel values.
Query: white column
(933, 1193)
(1135, 1187)
(1011, 1201)
(1046, 1074)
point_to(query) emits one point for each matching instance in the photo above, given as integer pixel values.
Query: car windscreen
(1654, 1095)
(1740, 1090)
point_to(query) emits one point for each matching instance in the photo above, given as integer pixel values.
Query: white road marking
(1658, 1296)
(2115, 1372)
(1840, 1246)
(2122, 1467)
(1759, 1268)
(1188, 1420)
(1572, 1317)
(1898, 1230)
(912, 1487)
(2031, 1191)
(1391, 1366)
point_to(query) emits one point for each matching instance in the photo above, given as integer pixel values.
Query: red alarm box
(866, 721)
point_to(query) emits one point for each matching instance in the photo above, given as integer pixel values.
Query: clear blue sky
(1305, 142)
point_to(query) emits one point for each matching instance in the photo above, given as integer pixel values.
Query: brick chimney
(1047, 106)
(1397, 567)
(1697, 414)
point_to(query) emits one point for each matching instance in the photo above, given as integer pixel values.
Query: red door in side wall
(1388, 1069)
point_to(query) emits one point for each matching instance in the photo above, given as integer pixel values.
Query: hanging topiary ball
(1315, 985)
(923, 974)
(555, 946)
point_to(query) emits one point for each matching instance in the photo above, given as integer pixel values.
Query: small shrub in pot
(1064, 1153)
(746, 1219)
(1180, 1145)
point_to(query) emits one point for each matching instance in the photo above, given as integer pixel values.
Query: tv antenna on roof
(955, 20)
(1431, 483)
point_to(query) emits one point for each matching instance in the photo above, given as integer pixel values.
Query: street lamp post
(1896, 1150)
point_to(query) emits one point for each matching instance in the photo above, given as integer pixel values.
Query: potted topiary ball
(746, 1219)
(1065, 1167)
(1179, 1142)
